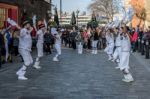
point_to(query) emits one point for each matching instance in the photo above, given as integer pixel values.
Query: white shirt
(58, 39)
(125, 43)
(109, 38)
(118, 40)
(25, 40)
(40, 36)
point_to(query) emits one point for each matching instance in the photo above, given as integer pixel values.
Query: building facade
(81, 20)
(20, 10)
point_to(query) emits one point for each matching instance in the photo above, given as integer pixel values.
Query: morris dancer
(57, 45)
(25, 44)
(117, 52)
(40, 42)
(125, 54)
(110, 44)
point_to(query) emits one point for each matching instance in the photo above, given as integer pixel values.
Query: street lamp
(60, 10)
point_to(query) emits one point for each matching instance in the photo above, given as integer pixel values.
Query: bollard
(147, 49)
(139, 45)
(142, 48)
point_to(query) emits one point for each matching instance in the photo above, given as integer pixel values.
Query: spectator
(140, 33)
(63, 37)
(15, 42)
(86, 35)
(79, 40)
(95, 40)
(135, 41)
(146, 35)
(8, 45)
(70, 38)
(103, 39)
(73, 35)
(1, 47)
(47, 42)
(67, 38)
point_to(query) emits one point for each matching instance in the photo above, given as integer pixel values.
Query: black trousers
(103, 43)
(66, 41)
(48, 48)
(134, 46)
(73, 44)
(70, 45)
(15, 50)
(89, 44)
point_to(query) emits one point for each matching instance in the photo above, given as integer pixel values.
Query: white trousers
(124, 60)
(26, 55)
(117, 53)
(80, 48)
(106, 49)
(40, 49)
(94, 44)
(58, 48)
(109, 49)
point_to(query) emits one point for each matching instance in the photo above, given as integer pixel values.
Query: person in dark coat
(1, 47)
(96, 36)
(47, 42)
(15, 42)
(73, 35)
(67, 38)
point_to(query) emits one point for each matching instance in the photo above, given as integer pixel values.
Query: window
(3, 17)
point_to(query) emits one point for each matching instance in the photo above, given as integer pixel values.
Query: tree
(106, 8)
(56, 19)
(141, 15)
(93, 23)
(73, 19)
(140, 11)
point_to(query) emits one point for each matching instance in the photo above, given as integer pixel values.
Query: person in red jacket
(134, 40)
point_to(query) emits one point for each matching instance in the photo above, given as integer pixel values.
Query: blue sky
(73, 5)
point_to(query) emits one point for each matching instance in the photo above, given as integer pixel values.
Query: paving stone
(75, 77)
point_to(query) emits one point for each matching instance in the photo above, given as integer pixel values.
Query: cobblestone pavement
(76, 77)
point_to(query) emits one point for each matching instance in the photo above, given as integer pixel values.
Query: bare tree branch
(103, 7)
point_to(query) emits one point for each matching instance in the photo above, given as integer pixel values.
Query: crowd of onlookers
(70, 39)
(10, 39)
(138, 36)
(140, 39)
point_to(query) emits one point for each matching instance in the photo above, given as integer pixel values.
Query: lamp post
(60, 11)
